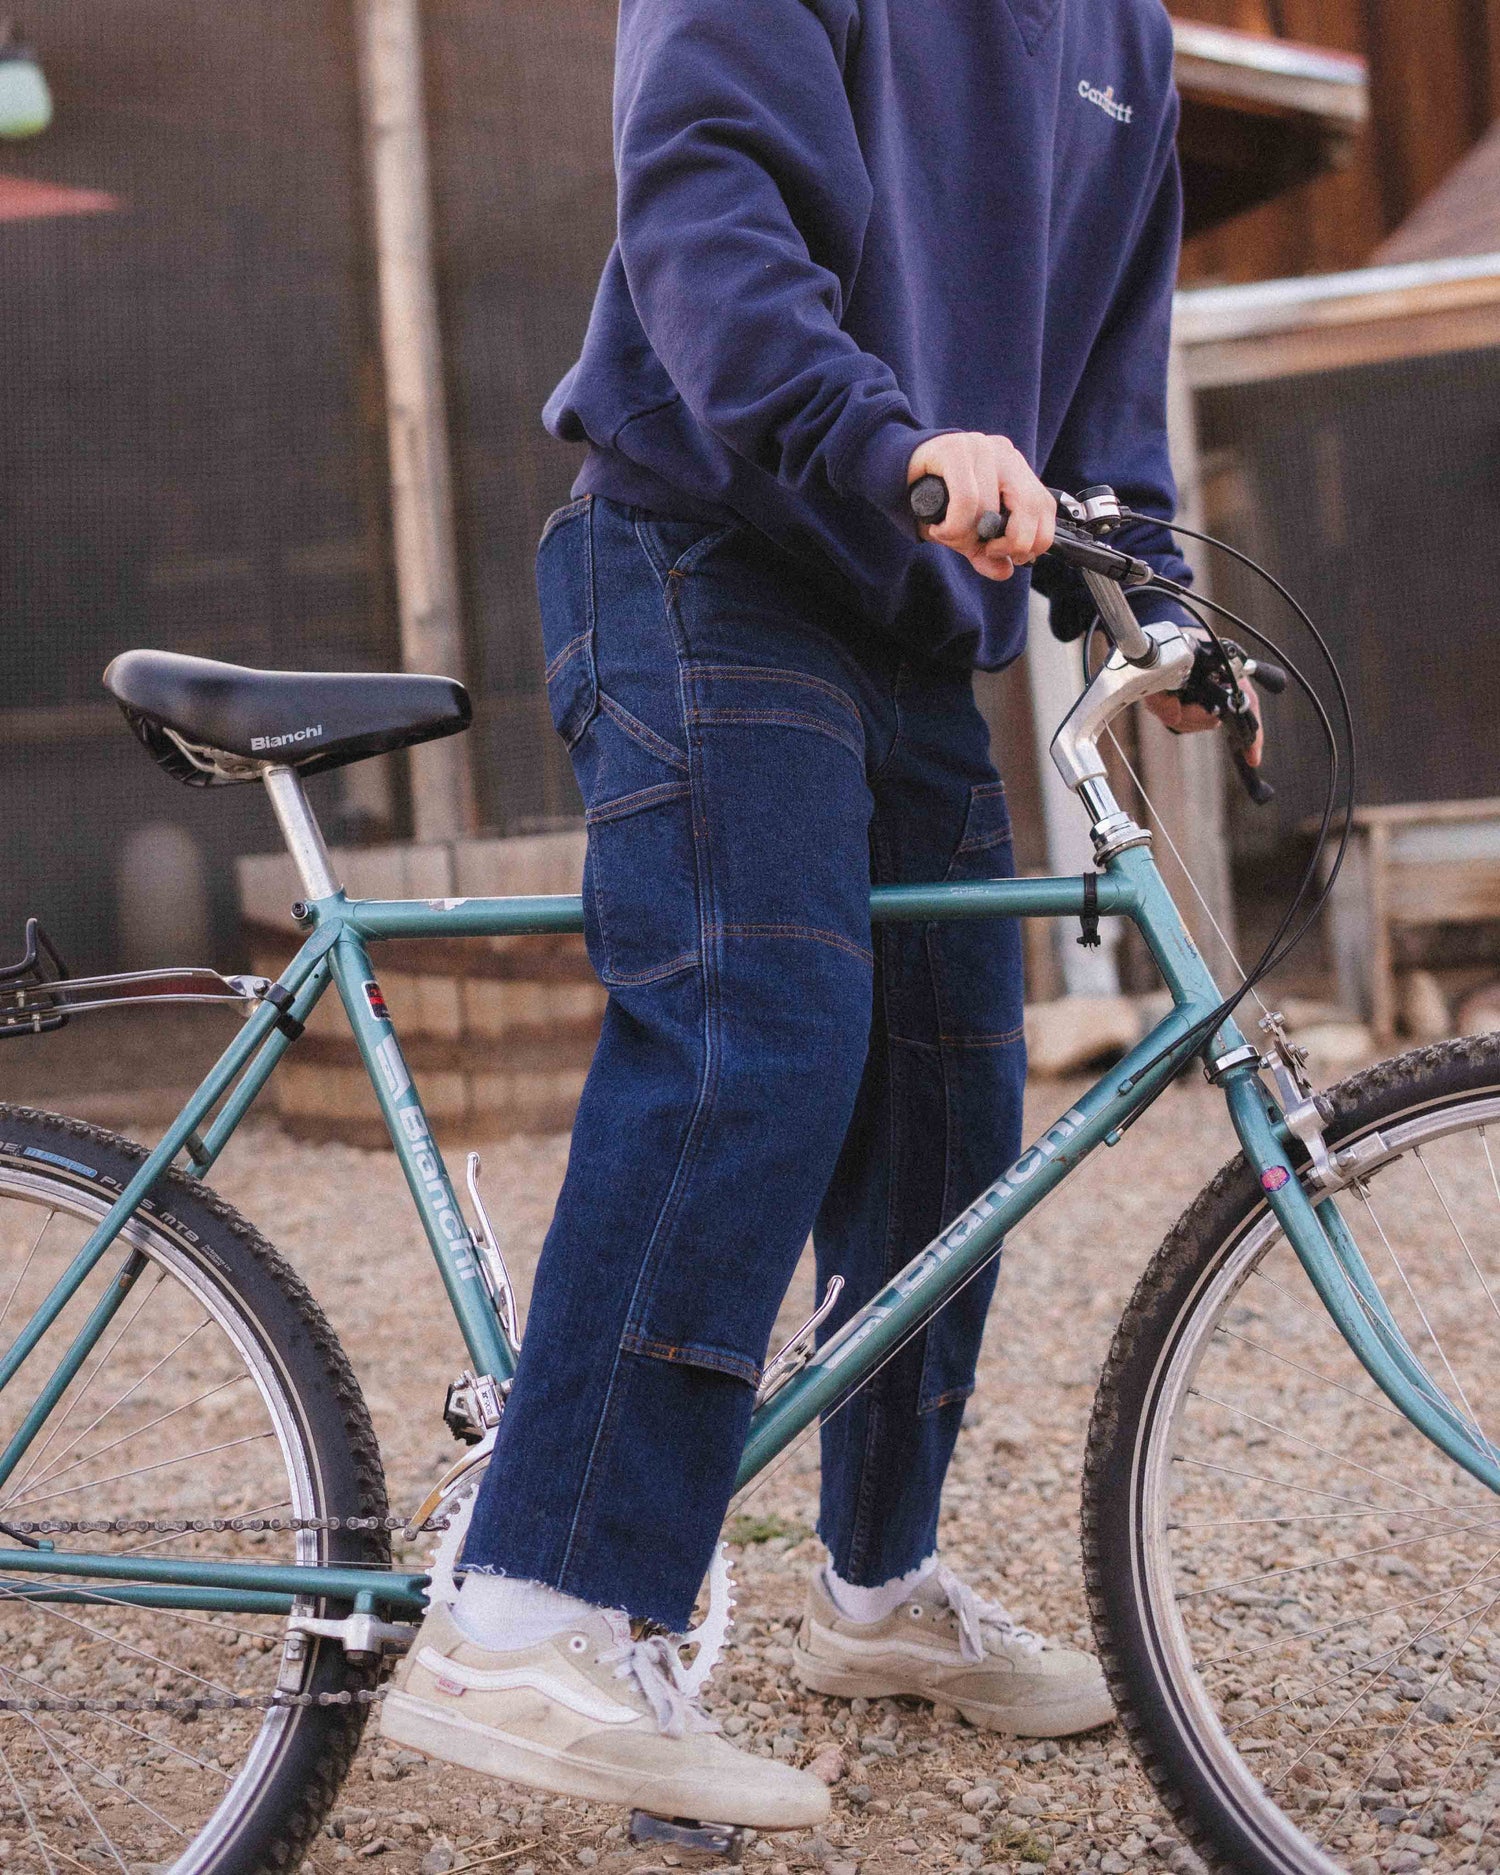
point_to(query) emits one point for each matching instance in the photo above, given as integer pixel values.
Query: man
(860, 241)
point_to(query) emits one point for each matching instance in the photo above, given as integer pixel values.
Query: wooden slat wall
(1435, 88)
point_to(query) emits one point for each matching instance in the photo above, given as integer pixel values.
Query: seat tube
(421, 1162)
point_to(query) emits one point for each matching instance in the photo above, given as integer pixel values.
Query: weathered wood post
(1184, 775)
(426, 546)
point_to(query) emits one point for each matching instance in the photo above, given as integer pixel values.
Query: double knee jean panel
(749, 760)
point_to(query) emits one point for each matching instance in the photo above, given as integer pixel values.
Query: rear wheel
(216, 1390)
(1297, 1595)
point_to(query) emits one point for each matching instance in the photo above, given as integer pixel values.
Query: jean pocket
(984, 849)
(641, 884)
(565, 594)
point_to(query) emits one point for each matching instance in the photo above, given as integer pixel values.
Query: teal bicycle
(1289, 1491)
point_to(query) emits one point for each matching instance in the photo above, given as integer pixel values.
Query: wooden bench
(1409, 864)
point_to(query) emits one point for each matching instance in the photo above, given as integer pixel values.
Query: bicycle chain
(189, 1708)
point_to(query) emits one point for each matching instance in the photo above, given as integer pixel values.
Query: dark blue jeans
(750, 759)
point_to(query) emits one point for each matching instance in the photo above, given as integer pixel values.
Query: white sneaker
(587, 1713)
(946, 1644)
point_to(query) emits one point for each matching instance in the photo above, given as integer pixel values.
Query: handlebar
(929, 504)
(1215, 682)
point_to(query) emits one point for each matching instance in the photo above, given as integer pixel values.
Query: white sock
(864, 1605)
(502, 1614)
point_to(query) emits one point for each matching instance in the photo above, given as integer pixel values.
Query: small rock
(858, 1793)
(1113, 1863)
(908, 1845)
(587, 1857)
(828, 1765)
(438, 1860)
(840, 1868)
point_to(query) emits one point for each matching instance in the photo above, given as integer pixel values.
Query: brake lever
(1215, 686)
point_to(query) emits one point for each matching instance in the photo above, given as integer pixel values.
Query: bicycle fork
(1337, 1270)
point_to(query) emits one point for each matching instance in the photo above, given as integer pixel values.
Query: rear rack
(40, 994)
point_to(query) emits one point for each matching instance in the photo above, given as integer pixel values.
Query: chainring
(713, 1630)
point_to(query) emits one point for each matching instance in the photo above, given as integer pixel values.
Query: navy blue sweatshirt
(847, 225)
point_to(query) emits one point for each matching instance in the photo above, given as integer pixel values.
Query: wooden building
(194, 451)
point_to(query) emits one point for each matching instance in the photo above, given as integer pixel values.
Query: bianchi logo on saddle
(310, 734)
(1106, 100)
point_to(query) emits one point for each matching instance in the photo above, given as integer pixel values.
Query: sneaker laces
(655, 1668)
(975, 1614)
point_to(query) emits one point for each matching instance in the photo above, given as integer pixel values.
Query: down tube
(849, 1357)
(426, 1175)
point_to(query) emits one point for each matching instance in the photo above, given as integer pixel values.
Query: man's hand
(1187, 719)
(983, 473)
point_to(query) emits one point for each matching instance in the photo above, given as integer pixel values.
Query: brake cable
(1280, 945)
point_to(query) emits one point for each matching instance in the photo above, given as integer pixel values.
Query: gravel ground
(917, 1790)
(1335, 1576)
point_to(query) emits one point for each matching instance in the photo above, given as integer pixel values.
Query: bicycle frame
(339, 934)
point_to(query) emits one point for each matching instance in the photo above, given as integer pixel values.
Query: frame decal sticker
(392, 1067)
(376, 1000)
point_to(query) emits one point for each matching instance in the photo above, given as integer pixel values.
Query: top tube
(506, 917)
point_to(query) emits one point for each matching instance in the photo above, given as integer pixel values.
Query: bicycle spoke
(25, 1810)
(114, 1405)
(139, 1432)
(139, 1471)
(78, 1796)
(1437, 1192)
(1323, 1451)
(26, 1266)
(122, 1328)
(1422, 1317)
(1365, 1399)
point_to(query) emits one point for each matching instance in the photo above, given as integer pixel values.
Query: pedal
(726, 1840)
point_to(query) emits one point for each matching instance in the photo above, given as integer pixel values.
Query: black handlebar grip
(1270, 677)
(928, 499)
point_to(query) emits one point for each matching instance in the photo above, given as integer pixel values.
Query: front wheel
(214, 1389)
(1297, 1596)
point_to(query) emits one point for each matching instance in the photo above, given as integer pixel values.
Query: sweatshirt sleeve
(743, 205)
(1116, 427)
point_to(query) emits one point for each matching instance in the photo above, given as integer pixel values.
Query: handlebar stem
(1118, 683)
(1120, 621)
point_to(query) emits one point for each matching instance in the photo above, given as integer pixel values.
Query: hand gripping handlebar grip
(928, 497)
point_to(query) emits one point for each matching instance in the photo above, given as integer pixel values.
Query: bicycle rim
(184, 1410)
(1320, 1585)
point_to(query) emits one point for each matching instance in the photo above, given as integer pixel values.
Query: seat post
(303, 835)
